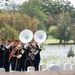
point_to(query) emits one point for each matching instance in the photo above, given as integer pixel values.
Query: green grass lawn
(49, 41)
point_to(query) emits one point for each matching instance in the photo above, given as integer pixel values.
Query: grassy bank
(49, 41)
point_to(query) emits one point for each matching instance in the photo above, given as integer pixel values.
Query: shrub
(70, 53)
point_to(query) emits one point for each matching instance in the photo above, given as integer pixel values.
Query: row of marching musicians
(19, 55)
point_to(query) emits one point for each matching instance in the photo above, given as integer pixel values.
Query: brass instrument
(25, 36)
(9, 45)
(14, 51)
(40, 36)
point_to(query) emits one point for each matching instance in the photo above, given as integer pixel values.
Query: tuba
(26, 36)
(40, 36)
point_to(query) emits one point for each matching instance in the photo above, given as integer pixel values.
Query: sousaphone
(26, 36)
(40, 36)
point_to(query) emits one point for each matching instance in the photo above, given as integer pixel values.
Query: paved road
(69, 72)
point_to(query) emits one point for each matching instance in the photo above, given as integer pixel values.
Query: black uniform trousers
(7, 66)
(21, 65)
(1, 64)
(36, 64)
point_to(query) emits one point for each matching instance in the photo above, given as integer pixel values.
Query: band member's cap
(18, 40)
(1, 39)
(8, 40)
(15, 41)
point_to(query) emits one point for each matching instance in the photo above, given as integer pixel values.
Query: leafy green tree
(8, 33)
(33, 9)
(64, 27)
(63, 30)
(55, 7)
(41, 27)
(70, 53)
(52, 30)
(18, 21)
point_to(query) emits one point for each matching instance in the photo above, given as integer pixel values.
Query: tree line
(56, 17)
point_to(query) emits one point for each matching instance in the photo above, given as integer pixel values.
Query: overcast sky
(72, 2)
(21, 1)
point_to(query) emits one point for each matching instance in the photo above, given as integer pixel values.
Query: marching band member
(36, 55)
(24, 60)
(2, 48)
(13, 60)
(6, 55)
(29, 60)
(21, 57)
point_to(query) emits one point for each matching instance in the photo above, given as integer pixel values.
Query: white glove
(26, 45)
(22, 51)
(38, 45)
(19, 56)
(9, 45)
(36, 52)
(14, 55)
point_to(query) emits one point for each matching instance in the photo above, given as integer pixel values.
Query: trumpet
(9, 45)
